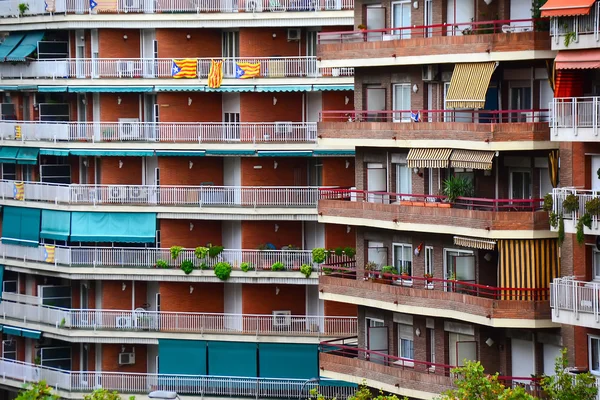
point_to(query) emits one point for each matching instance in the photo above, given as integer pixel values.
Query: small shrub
(571, 203)
(63, 322)
(561, 231)
(23, 8)
(592, 207)
(306, 270)
(548, 202)
(175, 251)
(318, 255)
(203, 266)
(187, 266)
(246, 266)
(162, 264)
(201, 252)
(223, 270)
(350, 252)
(278, 266)
(214, 251)
(103, 394)
(370, 266)
(39, 390)
(327, 271)
(553, 220)
(339, 251)
(388, 269)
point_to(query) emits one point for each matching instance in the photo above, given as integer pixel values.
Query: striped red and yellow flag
(247, 70)
(184, 68)
(215, 74)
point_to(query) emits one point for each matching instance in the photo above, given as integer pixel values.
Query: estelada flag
(184, 68)
(245, 70)
(215, 74)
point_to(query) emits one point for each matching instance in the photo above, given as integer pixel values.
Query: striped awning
(474, 243)
(428, 158)
(474, 159)
(469, 84)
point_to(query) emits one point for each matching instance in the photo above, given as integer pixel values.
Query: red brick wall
(115, 298)
(258, 107)
(175, 232)
(255, 233)
(262, 299)
(336, 101)
(261, 43)
(76, 357)
(110, 358)
(173, 43)
(129, 174)
(268, 175)
(205, 107)
(112, 45)
(338, 236)
(111, 110)
(335, 172)
(206, 297)
(337, 309)
(176, 170)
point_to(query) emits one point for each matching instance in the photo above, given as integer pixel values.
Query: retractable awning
(8, 155)
(566, 8)
(230, 152)
(9, 44)
(54, 152)
(469, 85)
(28, 155)
(578, 59)
(428, 158)
(15, 331)
(111, 89)
(113, 227)
(285, 153)
(180, 153)
(474, 243)
(474, 159)
(112, 153)
(21, 226)
(56, 225)
(27, 46)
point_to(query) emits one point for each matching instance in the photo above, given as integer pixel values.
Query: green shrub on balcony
(162, 264)
(214, 251)
(584, 221)
(548, 202)
(350, 252)
(201, 252)
(175, 251)
(246, 266)
(278, 266)
(187, 266)
(592, 207)
(306, 270)
(223, 270)
(319, 254)
(457, 186)
(571, 203)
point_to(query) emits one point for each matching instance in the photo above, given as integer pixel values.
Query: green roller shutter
(232, 359)
(288, 360)
(56, 225)
(113, 227)
(21, 226)
(181, 357)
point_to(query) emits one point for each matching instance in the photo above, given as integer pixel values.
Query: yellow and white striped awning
(428, 158)
(474, 243)
(475, 159)
(469, 84)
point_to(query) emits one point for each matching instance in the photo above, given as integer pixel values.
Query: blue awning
(30, 333)
(11, 330)
(56, 225)
(285, 153)
(325, 153)
(27, 46)
(113, 227)
(28, 155)
(231, 89)
(333, 87)
(179, 88)
(9, 44)
(54, 152)
(21, 226)
(8, 155)
(111, 89)
(181, 153)
(284, 88)
(230, 152)
(51, 89)
(8, 88)
(111, 153)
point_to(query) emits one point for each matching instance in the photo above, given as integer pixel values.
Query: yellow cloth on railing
(245, 70)
(184, 68)
(17, 131)
(49, 253)
(19, 191)
(215, 74)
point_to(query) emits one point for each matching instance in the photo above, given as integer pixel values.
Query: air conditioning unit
(125, 68)
(429, 72)
(126, 358)
(293, 34)
(282, 318)
(116, 193)
(137, 193)
(123, 322)
(283, 129)
(129, 128)
(254, 6)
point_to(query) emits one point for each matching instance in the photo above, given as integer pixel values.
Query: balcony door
(595, 177)
(401, 102)
(459, 14)
(375, 19)
(458, 265)
(80, 69)
(377, 339)
(376, 182)
(149, 52)
(401, 18)
(461, 348)
(403, 258)
(375, 101)
(520, 183)
(230, 50)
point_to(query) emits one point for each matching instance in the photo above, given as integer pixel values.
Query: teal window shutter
(288, 360)
(113, 227)
(181, 357)
(56, 225)
(21, 226)
(232, 359)
(11, 225)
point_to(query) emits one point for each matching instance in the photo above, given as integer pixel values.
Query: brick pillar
(420, 342)
(361, 252)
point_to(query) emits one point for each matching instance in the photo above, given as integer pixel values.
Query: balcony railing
(143, 383)
(576, 118)
(570, 218)
(196, 196)
(10, 8)
(131, 257)
(425, 31)
(99, 68)
(469, 116)
(579, 25)
(164, 132)
(577, 297)
(29, 309)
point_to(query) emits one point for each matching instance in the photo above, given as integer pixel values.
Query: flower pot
(418, 204)
(431, 204)
(406, 203)
(444, 205)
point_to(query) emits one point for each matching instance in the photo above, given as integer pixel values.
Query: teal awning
(54, 152)
(51, 89)
(182, 357)
(27, 46)
(56, 225)
(231, 89)
(285, 153)
(284, 88)
(288, 360)
(111, 89)
(230, 152)
(28, 155)
(113, 227)
(11, 330)
(182, 153)
(333, 87)
(232, 359)
(8, 88)
(325, 153)
(8, 155)
(9, 44)
(30, 333)
(112, 153)
(179, 88)
(21, 226)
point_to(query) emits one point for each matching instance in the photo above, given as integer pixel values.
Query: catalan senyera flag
(184, 68)
(19, 191)
(49, 253)
(17, 131)
(215, 74)
(245, 70)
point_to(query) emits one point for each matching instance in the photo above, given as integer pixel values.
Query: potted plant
(388, 272)
(457, 186)
(306, 270)
(350, 252)
(362, 27)
(278, 266)
(223, 270)
(201, 252)
(246, 266)
(187, 266)
(404, 273)
(592, 207)
(23, 8)
(175, 251)
(214, 251)
(162, 264)
(548, 202)
(428, 281)
(319, 255)
(571, 203)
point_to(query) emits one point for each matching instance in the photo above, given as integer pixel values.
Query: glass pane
(402, 102)
(526, 185)
(597, 264)
(407, 349)
(465, 268)
(517, 185)
(595, 362)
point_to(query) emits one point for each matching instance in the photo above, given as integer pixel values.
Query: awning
(231, 89)
(111, 153)
(9, 44)
(325, 153)
(28, 155)
(230, 152)
(566, 8)
(285, 153)
(113, 227)
(28, 333)
(332, 87)
(27, 46)
(288, 360)
(21, 226)
(181, 153)
(474, 243)
(54, 152)
(8, 155)
(578, 59)
(284, 88)
(111, 89)
(11, 330)
(8, 88)
(428, 158)
(474, 159)
(52, 89)
(56, 225)
(180, 88)
(469, 84)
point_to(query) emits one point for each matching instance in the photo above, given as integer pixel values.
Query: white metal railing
(29, 309)
(10, 8)
(132, 257)
(575, 296)
(579, 25)
(144, 383)
(560, 194)
(97, 68)
(175, 132)
(575, 113)
(198, 196)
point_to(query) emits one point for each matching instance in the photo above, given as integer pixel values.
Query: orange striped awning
(428, 158)
(566, 8)
(469, 85)
(578, 59)
(474, 243)
(475, 159)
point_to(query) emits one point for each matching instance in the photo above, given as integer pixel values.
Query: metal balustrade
(559, 195)
(101, 68)
(143, 383)
(576, 118)
(29, 309)
(567, 294)
(164, 132)
(464, 116)
(588, 24)
(197, 196)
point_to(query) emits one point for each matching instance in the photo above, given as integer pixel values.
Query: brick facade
(266, 298)
(204, 298)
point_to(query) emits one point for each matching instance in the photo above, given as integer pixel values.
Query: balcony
(73, 383)
(434, 44)
(575, 119)
(474, 217)
(485, 130)
(575, 302)
(162, 132)
(585, 28)
(433, 297)
(571, 218)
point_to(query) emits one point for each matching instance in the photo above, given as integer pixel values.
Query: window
(401, 102)
(594, 354)
(596, 262)
(403, 179)
(406, 342)
(401, 18)
(429, 260)
(377, 254)
(403, 258)
(9, 348)
(520, 184)
(431, 338)
(27, 173)
(9, 172)
(459, 265)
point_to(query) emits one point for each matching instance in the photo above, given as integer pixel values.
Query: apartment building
(454, 156)
(144, 144)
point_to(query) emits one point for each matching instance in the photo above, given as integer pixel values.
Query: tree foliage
(37, 391)
(363, 393)
(566, 386)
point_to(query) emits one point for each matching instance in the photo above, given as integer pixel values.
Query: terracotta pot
(418, 204)
(444, 205)
(406, 203)
(431, 204)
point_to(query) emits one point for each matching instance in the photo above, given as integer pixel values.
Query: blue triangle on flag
(93, 4)
(239, 72)
(175, 69)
